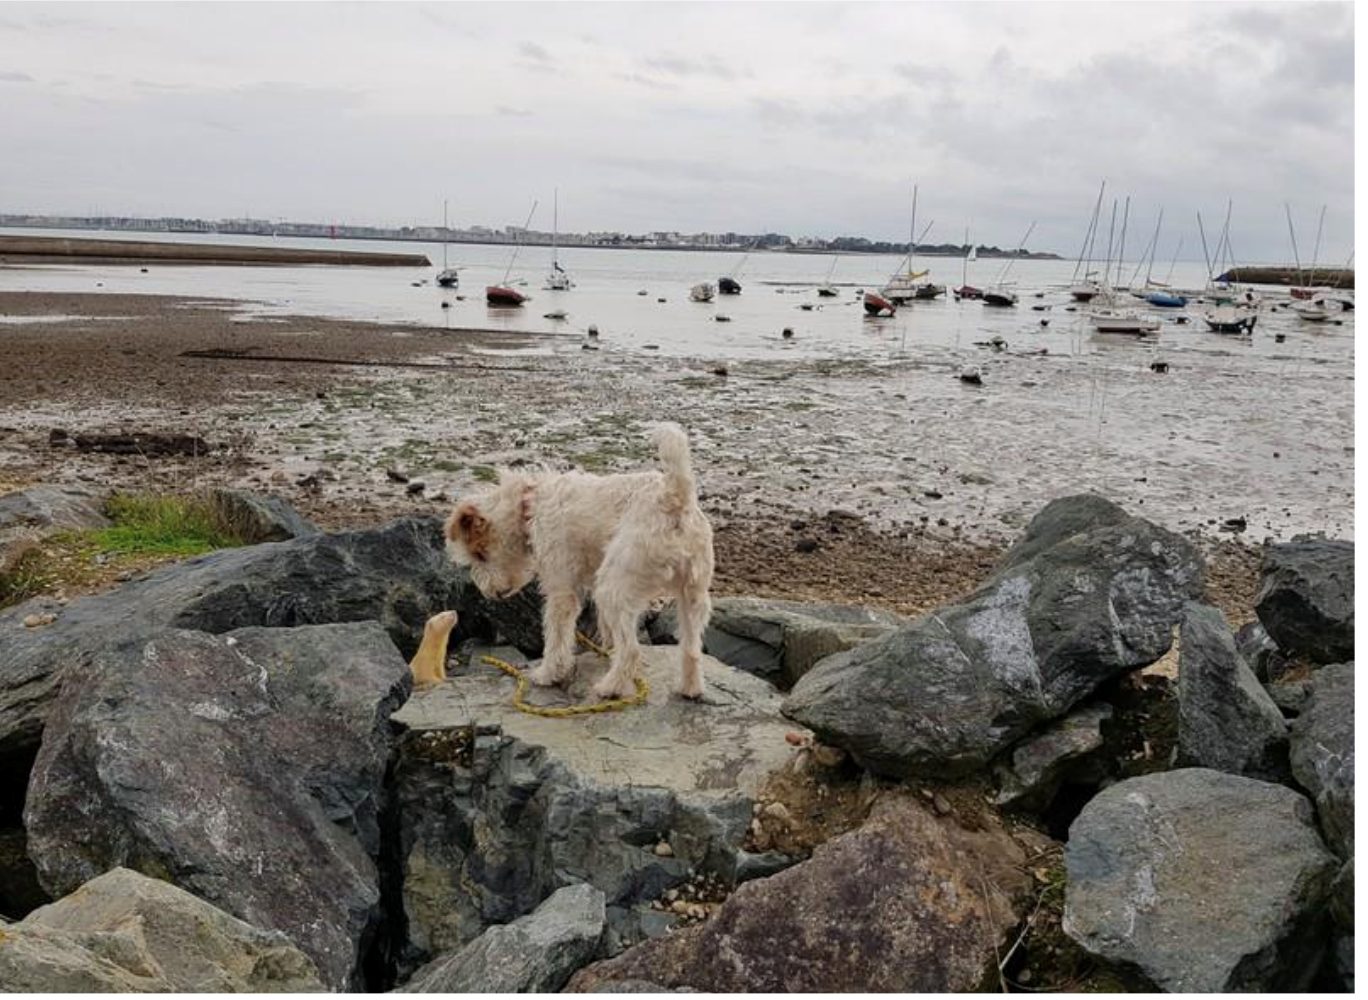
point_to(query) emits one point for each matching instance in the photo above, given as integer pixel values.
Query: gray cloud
(789, 119)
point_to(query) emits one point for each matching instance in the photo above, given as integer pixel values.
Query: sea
(638, 300)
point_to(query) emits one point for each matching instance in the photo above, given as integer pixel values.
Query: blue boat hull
(1165, 300)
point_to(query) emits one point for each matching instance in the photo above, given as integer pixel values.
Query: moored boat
(1166, 300)
(1123, 321)
(968, 292)
(876, 305)
(728, 286)
(504, 295)
(999, 295)
(1230, 319)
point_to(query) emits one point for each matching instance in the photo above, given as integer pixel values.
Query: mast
(518, 246)
(1090, 237)
(1111, 232)
(1121, 250)
(912, 234)
(444, 234)
(555, 224)
(1293, 233)
(1315, 254)
(1205, 255)
(1154, 247)
(964, 277)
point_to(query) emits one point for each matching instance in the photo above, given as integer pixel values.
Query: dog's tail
(673, 446)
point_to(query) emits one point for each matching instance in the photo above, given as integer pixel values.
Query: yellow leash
(643, 690)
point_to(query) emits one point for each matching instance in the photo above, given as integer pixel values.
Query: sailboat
(447, 277)
(504, 294)
(557, 280)
(966, 290)
(1086, 290)
(904, 286)
(1156, 293)
(727, 284)
(1000, 293)
(826, 290)
(1232, 309)
(1308, 289)
(1108, 318)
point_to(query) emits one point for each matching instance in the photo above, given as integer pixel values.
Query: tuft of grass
(485, 473)
(163, 525)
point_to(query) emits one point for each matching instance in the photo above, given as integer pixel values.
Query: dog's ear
(470, 528)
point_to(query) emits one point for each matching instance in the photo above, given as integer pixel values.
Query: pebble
(941, 804)
(680, 907)
(778, 812)
(664, 850)
(37, 621)
(794, 739)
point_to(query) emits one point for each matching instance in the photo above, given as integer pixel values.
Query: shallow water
(776, 287)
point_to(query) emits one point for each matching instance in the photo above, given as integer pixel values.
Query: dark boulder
(1323, 753)
(256, 518)
(1226, 720)
(907, 903)
(1202, 881)
(246, 768)
(534, 954)
(398, 575)
(1088, 594)
(1306, 597)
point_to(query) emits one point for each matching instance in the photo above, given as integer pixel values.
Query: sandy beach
(813, 492)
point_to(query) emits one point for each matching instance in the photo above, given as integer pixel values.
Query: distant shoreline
(566, 242)
(45, 249)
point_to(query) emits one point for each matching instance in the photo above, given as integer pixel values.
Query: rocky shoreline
(1012, 789)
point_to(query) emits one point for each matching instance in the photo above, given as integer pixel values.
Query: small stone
(778, 812)
(805, 545)
(679, 906)
(414, 488)
(395, 476)
(664, 850)
(671, 895)
(941, 804)
(794, 739)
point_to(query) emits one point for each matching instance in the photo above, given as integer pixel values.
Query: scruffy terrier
(624, 539)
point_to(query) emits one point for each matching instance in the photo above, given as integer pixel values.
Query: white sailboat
(447, 277)
(904, 286)
(826, 290)
(1108, 317)
(557, 280)
(1084, 289)
(1000, 292)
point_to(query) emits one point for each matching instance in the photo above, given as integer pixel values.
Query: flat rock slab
(124, 931)
(907, 903)
(1203, 881)
(499, 809)
(727, 743)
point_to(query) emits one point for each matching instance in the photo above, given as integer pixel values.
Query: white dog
(624, 539)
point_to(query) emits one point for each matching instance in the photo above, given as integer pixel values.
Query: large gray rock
(780, 640)
(1306, 597)
(29, 514)
(247, 768)
(498, 809)
(398, 575)
(1226, 720)
(1089, 593)
(1030, 774)
(1323, 753)
(257, 518)
(534, 954)
(906, 903)
(126, 932)
(1201, 880)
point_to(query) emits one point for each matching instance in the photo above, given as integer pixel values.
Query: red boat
(877, 305)
(968, 292)
(502, 295)
(1304, 293)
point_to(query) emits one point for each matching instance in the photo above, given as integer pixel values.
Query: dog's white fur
(624, 539)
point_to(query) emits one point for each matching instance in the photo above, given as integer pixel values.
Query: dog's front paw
(544, 676)
(611, 687)
(692, 691)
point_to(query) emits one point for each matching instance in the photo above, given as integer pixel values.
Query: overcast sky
(803, 118)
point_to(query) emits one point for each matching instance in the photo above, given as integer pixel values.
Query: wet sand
(890, 485)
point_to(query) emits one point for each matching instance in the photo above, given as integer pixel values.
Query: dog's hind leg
(695, 607)
(620, 615)
(558, 631)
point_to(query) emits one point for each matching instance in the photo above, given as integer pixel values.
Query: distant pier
(50, 249)
(1286, 274)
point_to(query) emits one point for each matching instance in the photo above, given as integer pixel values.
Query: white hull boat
(1123, 321)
